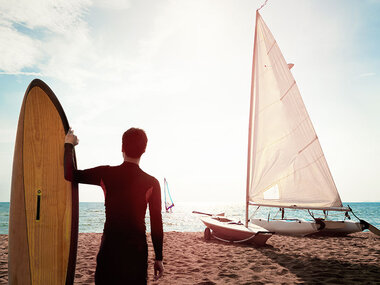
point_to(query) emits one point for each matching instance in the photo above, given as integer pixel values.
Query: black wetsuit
(122, 258)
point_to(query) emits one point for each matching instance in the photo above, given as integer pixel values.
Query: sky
(181, 70)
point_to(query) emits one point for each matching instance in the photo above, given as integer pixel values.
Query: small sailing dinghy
(168, 202)
(227, 230)
(286, 165)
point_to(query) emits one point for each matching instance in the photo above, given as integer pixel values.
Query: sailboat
(168, 202)
(286, 165)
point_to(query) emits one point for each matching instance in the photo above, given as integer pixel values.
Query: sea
(182, 219)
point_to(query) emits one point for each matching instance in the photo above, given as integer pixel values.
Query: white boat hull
(296, 227)
(340, 227)
(228, 230)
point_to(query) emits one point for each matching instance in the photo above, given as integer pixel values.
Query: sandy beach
(189, 259)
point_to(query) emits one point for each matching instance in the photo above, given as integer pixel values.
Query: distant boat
(286, 165)
(168, 201)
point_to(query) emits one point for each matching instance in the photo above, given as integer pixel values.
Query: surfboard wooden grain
(43, 223)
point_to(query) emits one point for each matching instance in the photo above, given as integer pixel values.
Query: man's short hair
(134, 142)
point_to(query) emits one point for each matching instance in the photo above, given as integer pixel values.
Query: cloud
(17, 51)
(59, 16)
(112, 4)
(28, 29)
(368, 74)
(21, 73)
(53, 39)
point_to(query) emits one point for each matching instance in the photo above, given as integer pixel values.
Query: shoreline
(188, 259)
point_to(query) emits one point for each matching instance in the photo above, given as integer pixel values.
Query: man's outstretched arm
(88, 176)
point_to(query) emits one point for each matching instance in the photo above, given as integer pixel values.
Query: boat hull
(340, 228)
(231, 231)
(296, 227)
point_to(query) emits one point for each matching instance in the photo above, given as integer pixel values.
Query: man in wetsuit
(123, 253)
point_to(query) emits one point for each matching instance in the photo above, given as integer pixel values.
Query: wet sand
(188, 259)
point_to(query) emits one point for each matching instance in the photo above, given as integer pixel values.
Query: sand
(188, 259)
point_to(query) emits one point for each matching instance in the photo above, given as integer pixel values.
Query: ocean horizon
(92, 215)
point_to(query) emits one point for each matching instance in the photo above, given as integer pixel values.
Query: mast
(165, 193)
(250, 123)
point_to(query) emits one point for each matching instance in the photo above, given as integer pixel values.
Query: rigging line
(254, 213)
(308, 144)
(291, 86)
(270, 49)
(262, 5)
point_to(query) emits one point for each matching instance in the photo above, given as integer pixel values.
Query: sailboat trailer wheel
(207, 234)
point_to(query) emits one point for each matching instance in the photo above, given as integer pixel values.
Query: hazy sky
(181, 70)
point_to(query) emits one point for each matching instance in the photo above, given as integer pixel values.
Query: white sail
(286, 164)
(168, 201)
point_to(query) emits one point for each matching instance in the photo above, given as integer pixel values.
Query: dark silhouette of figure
(123, 253)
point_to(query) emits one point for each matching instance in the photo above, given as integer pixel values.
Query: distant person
(123, 253)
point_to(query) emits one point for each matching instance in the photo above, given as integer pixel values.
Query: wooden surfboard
(43, 220)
